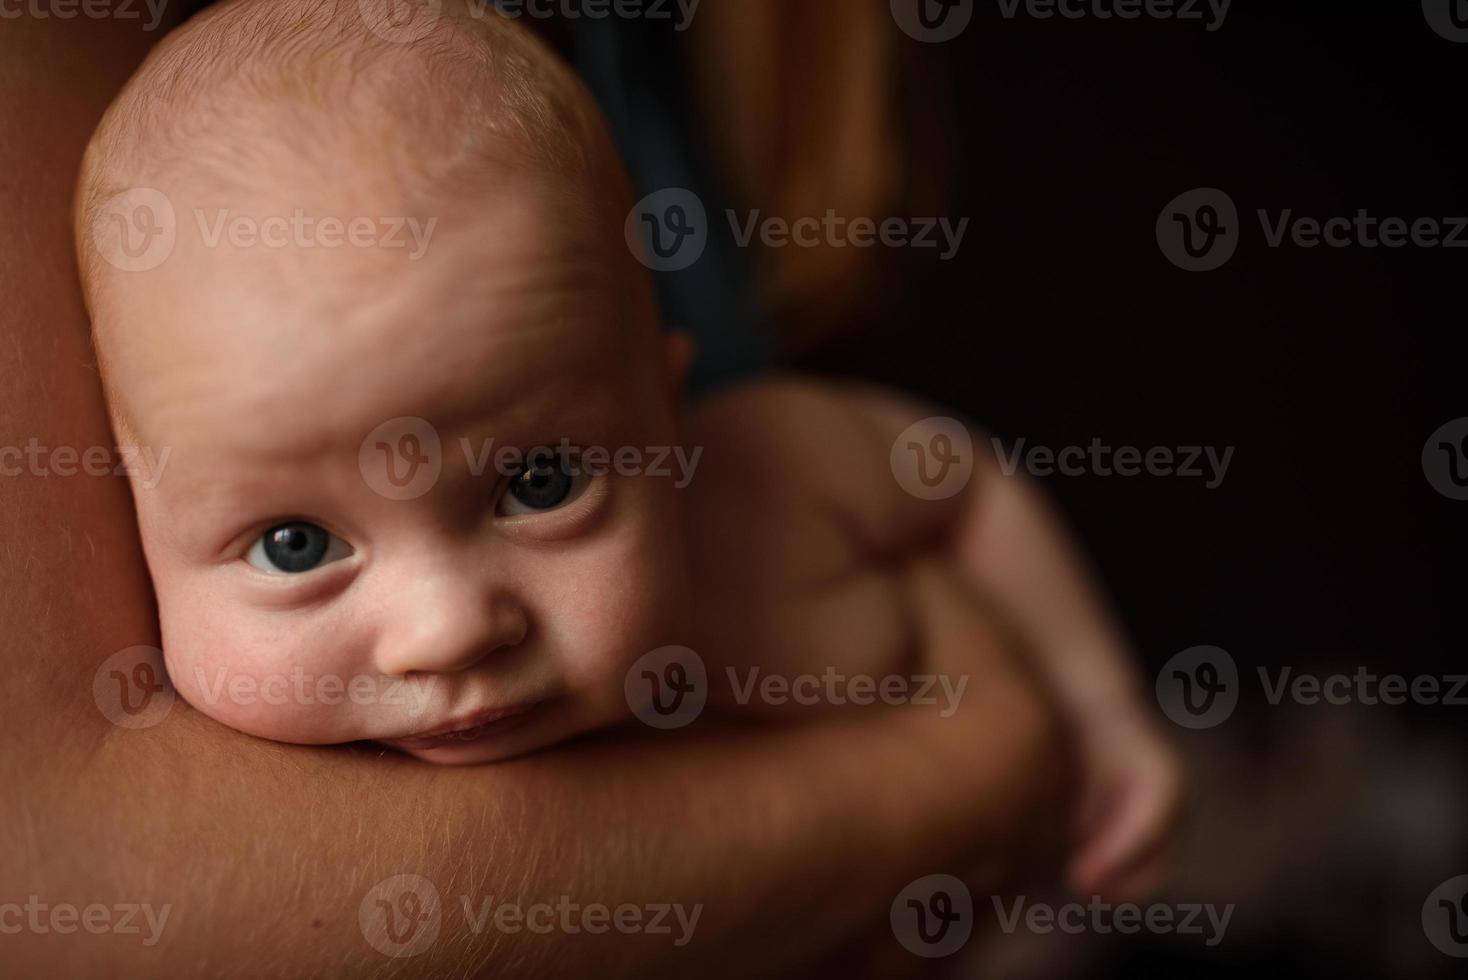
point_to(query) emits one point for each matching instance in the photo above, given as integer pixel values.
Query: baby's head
(378, 240)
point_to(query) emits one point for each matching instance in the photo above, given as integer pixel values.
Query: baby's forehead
(494, 304)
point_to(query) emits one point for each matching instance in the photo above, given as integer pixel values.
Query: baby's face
(316, 582)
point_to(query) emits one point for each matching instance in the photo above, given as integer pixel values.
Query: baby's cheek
(630, 600)
(261, 680)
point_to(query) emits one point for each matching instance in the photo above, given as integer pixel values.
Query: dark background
(1325, 548)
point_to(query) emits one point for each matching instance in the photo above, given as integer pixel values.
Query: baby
(241, 221)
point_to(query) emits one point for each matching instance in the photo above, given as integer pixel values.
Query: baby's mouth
(470, 728)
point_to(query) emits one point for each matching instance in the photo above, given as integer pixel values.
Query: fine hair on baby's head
(306, 235)
(292, 93)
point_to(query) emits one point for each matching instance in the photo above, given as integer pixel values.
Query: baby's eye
(545, 482)
(296, 547)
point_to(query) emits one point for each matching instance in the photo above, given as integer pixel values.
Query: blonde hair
(251, 85)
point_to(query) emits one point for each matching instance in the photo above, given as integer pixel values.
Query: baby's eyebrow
(207, 495)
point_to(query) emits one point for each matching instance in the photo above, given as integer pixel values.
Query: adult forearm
(270, 859)
(265, 855)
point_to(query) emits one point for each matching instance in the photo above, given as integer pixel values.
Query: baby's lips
(488, 721)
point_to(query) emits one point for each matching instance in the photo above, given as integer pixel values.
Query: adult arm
(264, 854)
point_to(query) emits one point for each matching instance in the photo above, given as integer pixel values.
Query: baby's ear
(677, 359)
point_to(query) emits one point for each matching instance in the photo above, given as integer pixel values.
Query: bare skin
(265, 852)
(805, 543)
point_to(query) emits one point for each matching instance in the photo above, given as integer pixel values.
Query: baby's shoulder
(815, 418)
(789, 444)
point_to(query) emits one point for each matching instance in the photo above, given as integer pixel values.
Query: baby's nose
(449, 625)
